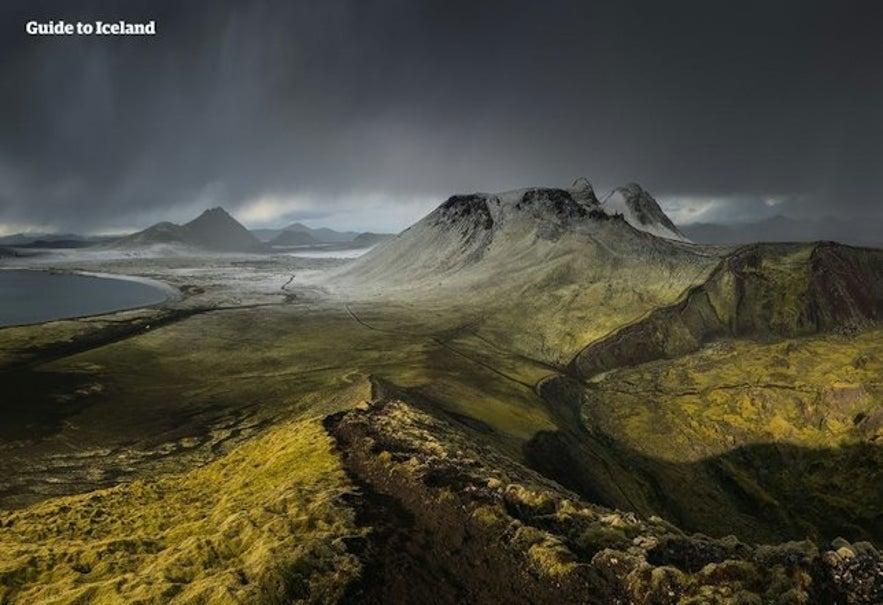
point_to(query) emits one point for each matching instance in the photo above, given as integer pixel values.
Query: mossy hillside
(261, 525)
(823, 391)
(458, 369)
(171, 397)
(764, 290)
(279, 360)
(766, 440)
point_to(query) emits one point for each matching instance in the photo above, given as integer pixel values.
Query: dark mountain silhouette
(320, 235)
(213, 230)
(294, 238)
(369, 239)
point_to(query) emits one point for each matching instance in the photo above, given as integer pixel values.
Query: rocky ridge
(497, 530)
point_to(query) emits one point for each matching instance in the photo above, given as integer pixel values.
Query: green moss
(599, 537)
(741, 393)
(491, 515)
(553, 557)
(247, 527)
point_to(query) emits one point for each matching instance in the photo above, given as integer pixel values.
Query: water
(313, 252)
(35, 296)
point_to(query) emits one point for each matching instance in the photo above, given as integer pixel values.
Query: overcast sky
(366, 114)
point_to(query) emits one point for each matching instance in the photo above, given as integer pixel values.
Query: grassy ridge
(259, 525)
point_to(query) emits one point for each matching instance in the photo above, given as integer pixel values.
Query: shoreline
(170, 292)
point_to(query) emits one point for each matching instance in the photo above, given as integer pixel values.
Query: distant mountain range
(294, 238)
(867, 232)
(51, 240)
(298, 234)
(214, 230)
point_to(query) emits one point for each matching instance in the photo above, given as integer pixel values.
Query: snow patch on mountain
(641, 211)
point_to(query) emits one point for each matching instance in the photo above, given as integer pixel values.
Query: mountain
(323, 234)
(557, 252)
(320, 235)
(469, 233)
(50, 240)
(294, 238)
(649, 347)
(641, 211)
(364, 240)
(62, 243)
(213, 230)
(298, 234)
(15, 239)
(863, 232)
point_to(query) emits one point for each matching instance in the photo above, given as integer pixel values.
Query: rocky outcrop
(583, 193)
(465, 212)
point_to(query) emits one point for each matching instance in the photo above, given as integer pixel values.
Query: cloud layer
(372, 111)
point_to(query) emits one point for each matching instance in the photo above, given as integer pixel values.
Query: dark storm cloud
(324, 108)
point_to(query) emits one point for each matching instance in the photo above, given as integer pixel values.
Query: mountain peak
(214, 214)
(641, 211)
(556, 210)
(214, 229)
(582, 191)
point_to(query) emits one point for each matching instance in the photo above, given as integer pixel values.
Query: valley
(521, 394)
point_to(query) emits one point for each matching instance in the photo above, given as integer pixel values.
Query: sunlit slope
(761, 439)
(817, 392)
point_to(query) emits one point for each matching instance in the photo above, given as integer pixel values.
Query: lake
(34, 296)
